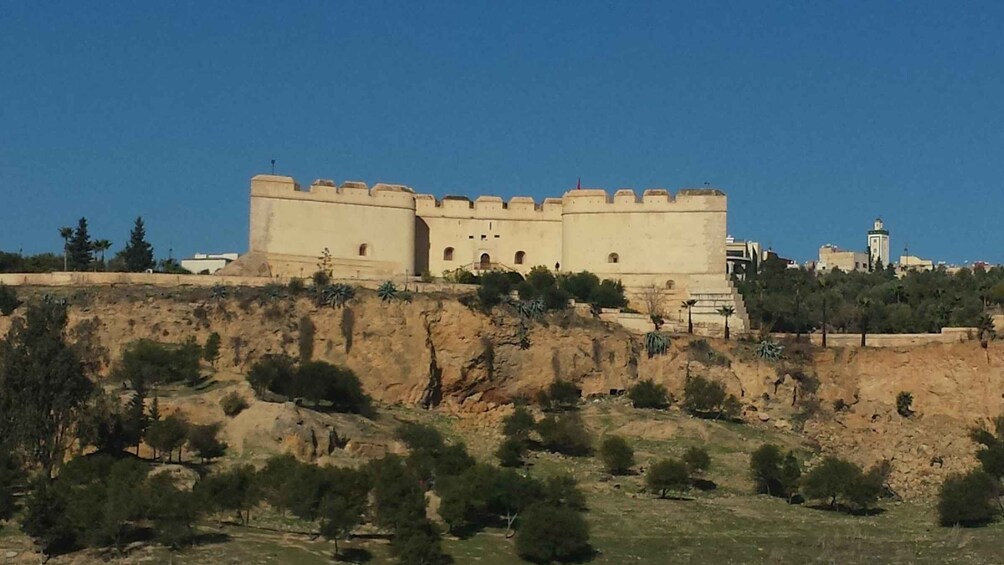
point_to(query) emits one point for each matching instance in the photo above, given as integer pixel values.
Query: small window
(448, 254)
(483, 237)
(364, 250)
(670, 284)
(613, 258)
(520, 257)
(497, 236)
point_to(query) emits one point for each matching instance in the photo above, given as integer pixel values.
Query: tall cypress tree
(81, 252)
(138, 253)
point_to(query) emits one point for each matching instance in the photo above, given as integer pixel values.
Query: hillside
(435, 352)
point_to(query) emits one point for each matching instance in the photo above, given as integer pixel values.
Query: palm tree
(864, 311)
(101, 246)
(727, 312)
(689, 305)
(66, 233)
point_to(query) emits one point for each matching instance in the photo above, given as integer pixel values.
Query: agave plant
(336, 295)
(218, 292)
(768, 350)
(656, 343)
(387, 291)
(529, 309)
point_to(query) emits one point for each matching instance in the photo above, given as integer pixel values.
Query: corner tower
(878, 243)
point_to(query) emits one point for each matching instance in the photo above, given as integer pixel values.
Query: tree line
(82, 252)
(799, 300)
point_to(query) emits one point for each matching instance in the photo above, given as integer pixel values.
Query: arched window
(486, 262)
(613, 258)
(670, 284)
(520, 257)
(364, 250)
(448, 254)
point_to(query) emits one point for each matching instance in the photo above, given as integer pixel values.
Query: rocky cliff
(433, 351)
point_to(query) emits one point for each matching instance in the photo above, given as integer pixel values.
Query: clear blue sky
(814, 117)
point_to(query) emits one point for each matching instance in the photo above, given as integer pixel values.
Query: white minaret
(878, 243)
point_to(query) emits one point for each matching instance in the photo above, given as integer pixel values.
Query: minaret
(878, 243)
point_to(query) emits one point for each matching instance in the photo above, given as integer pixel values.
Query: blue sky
(814, 117)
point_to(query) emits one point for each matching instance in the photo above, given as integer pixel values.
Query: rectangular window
(496, 236)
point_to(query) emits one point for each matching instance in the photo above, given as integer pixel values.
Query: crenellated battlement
(625, 200)
(488, 207)
(324, 190)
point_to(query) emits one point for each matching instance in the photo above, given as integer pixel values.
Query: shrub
(337, 387)
(617, 455)
(774, 474)
(233, 404)
(835, 479)
(697, 460)
(203, 440)
(273, 372)
(904, 404)
(968, 500)
(8, 300)
(705, 398)
(510, 452)
(320, 279)
(562, 395)
(648, 394)
(495, 287)
(768, 350)
(335, 295)
(519, 424)
(549, 533)
(667, 475)
(150, 362)
(296, 285)
(565, 434)
(991, 451)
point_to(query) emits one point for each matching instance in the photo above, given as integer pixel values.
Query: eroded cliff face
(436, 353)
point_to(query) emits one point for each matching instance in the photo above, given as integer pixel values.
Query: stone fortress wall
(673, 243)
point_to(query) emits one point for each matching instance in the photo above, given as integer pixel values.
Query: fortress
(673, 243)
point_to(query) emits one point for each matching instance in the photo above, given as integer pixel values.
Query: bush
(495, 287)
(549, 533)
(586, 288)
(510, 452)
(296, 285)
(904, 404)
(519, 424)
(153, 363)
(617, 455)
(561, 395)
(648, 394)
(320, 279)
(203, 440)
(211, 351)
(337, 387)
(774, 474)
(233, 404)
(836, 479)
(565, 434)
(8, 300)
(273, 372)
(666, 476)
(705, 398)
(697, 459)
(968, 500)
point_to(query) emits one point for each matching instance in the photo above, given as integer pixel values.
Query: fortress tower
(674, 244)
(878, 244)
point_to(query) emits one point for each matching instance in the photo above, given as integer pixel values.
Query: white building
(207, 263)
